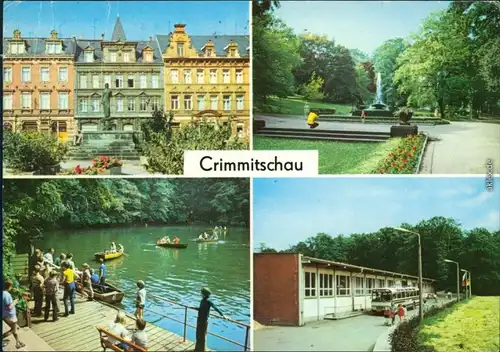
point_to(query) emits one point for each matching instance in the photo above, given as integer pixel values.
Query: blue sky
(286, 211)
(358, 24)
(140, 19)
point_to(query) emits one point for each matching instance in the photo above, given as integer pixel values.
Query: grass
(335, 157)
(468, 326)
(295, 106)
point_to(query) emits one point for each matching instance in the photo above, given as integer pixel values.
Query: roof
(118, 32)
(220, 42)
(98, 54)
(36, 47)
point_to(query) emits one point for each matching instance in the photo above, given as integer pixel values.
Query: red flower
(405, 161)
(414, 147)
(390, 154)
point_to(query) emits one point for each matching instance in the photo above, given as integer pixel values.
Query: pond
(174, 274)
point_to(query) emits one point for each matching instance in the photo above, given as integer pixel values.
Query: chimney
(180, 28)
(150, 38)
(102, 36)
(74, 37)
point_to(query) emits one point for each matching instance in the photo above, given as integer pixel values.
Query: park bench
(104, 335)
(326, 111)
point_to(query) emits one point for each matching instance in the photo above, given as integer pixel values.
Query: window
(174, 102)
(25, 100)
(209, 52)
(96, 104)
(188, 102)
(63, 100)
(226, 102)
(83, 81)
(63, 74)
(89, 56)
(404, 283)
(155, 103)
(213, 76)
(310, 284)
(239, 76)
(44, 101)
(343, 285)
(370, 285)
(131, 81)
(126, 56)
(119, 104)
(119, 81)
(174, 76)
(148, 57)
(381, 283)
(26, 74)
(44, 74)
(131, 104)
(232, 52)
(214, 102)
(359, 286)
(17, 48)
(51, 48)
(226, 76)
(143, 106)
(84, 105)
(325, 284)
(7, 74)
(240, 102)
(390, 283)
(200, 100)
(112, 56)
(7, 102)
(155, 81)
(142, 81)
(180, 49)
(187, 76)
(200, 77)
(107, 79)
(95, 81)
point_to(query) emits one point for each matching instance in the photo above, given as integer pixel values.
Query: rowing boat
(108, 255)
(109, 293)
(171, 245)
(203, 241)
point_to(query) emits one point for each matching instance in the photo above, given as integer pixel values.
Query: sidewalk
(32, 341)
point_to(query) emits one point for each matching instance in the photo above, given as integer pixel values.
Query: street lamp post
(458, 277)
(420, 279)
(468, 282)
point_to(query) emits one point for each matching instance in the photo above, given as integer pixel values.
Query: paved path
(458, 148)
(351, 334)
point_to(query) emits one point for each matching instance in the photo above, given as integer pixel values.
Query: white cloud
(456, 191)
(490, 221)
(476, 201)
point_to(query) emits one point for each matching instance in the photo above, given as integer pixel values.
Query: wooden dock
(78, 332)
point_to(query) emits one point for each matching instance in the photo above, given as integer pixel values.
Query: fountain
(378, 108)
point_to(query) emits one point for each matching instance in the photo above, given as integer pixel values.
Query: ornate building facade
(207, 76)
(38, 84)
(133, 71)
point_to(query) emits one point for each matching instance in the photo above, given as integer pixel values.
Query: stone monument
(106, 105)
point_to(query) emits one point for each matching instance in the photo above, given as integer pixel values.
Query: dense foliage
(477, 250)
(450, 65)
(164, 145)
(32, 151)
(32, 206)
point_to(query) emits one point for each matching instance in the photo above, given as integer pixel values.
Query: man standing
(49, 256)
(51, 289)
(202, 321)
(102, 273)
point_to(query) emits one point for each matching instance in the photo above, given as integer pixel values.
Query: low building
(292, 289)
(38, 84)
(207, 77)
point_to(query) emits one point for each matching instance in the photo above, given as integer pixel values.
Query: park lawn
(334, 157)
(468, 326)
(295, 106)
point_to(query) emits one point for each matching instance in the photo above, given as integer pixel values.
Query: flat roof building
(292, 289)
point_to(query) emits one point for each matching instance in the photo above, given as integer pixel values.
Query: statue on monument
(106, 103)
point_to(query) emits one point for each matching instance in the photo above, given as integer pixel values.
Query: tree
(313, 90)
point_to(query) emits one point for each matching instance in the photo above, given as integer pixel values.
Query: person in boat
(120, 248)
(94, 278)
(51, 289)
(215, 237)
(117, 328)
(202, 321)
(206, 235)
(113, 248)
(140, 299)
(225, 228)
(87, 281)
(200, 237)
(176, 240)
(167, 239)
(49, 256)
(102, 275)
(69, 289)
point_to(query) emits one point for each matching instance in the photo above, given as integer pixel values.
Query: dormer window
(126, 56)
(232, 52)
(54, 48)
(147, 54)
(180, 49)
(89, 56)
(209, 49)
(232, 49)
(209, 52)
(17, 48)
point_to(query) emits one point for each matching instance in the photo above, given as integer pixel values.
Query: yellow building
(207, 76)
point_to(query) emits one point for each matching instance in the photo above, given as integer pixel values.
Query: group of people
(400, 311)
(166, 240)
(113, 248)
(206, 236)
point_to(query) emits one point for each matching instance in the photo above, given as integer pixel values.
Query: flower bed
(404, 158)
(105, 162)
(100, 166)
(89, 170)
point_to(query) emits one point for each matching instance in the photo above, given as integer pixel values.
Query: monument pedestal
(404, 130)
(119, 144)
(258, 125)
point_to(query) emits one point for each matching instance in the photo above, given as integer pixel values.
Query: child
(202, 322)
(363, 116)
(311, 119)
(140, 300)
(9, 314)
(401, 313)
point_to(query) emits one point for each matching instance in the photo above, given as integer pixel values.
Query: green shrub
(166, 155)
(32, 151)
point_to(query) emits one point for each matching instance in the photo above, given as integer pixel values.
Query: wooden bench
(104, 335)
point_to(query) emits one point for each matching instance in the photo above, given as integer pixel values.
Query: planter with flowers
(89, 170)
(404, 159)
(112, 166)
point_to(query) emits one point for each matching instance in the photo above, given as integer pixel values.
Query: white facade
(337, 289)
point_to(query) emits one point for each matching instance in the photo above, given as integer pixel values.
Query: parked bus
(382, 298)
